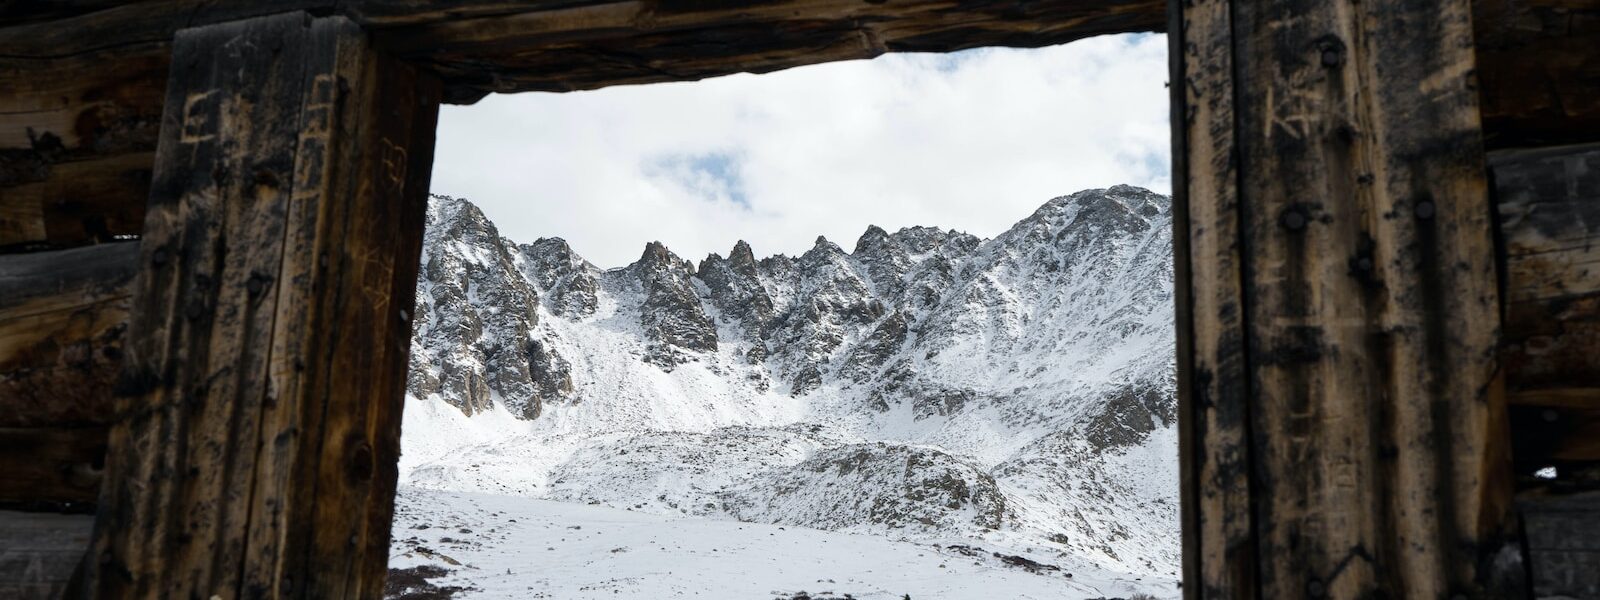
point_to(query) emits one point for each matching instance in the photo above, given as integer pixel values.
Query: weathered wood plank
(254, 454)
(1213, 367)
(38, 552)
(1548, 204)
(1563, 544)
(53, 467)
(63, 315)
(593, 45)
(1373, 302)
(1370, 306)
(1538, 70)
(77, 136)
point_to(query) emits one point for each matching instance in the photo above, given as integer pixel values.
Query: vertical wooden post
(259, 405)
(1339, 315)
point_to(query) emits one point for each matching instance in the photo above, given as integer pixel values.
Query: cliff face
(938, 381)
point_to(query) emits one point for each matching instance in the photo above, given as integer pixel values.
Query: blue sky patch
(713, 175)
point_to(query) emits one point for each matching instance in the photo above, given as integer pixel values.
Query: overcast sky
(973, 141)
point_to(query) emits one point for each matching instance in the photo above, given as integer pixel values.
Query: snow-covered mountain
(1013, 393)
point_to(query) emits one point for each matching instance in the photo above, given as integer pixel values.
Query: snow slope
(520, 548)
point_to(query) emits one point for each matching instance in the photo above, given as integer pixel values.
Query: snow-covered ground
(512, 547)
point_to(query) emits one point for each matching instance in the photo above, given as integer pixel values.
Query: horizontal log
(78, 129)
(1549, 213)
(54, 467)
(39, 552)
(1563, 543)
(594, 45)
(1540, 76)
(62, 319)
(1539, 71)
(77, 137)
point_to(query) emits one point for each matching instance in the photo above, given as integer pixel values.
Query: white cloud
(972, 141)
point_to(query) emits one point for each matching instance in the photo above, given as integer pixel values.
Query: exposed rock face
(477, 315)
(736, 290)
(674, 322)
(902, 319)
(926, 380)
(569, 281)
(873, 486)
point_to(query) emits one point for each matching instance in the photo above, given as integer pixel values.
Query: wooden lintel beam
(257, 425)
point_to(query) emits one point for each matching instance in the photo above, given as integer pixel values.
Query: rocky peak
(567, 280)
(885, 260)
(735, 288)
(823, 251)
(475, 312)
(874, 239)
(880, 318)
(676, 326)
(742, 260)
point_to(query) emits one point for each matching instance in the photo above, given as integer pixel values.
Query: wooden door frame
(94, 74)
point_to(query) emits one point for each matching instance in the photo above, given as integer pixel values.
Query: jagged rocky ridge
(927, 382)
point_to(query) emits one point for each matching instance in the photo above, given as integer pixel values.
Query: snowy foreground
(513, 547)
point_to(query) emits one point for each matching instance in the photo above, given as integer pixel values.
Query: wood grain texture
(38, 552)
(261, 390)
(1220, 554)
(63, 317)
(78, 130)
(1369, 309)
(77, 137)
(1548, 204)
(51, 468)
(1539, 71)
(1564, 543)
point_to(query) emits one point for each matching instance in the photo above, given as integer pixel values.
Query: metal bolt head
(1550, 416)
(1316, 589)
(1332, 57)
(1293, 220)
(1425, 209)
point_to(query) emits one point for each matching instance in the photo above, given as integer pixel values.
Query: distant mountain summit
(924, 381)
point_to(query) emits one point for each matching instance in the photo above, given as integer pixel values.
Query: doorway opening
(879, 328)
